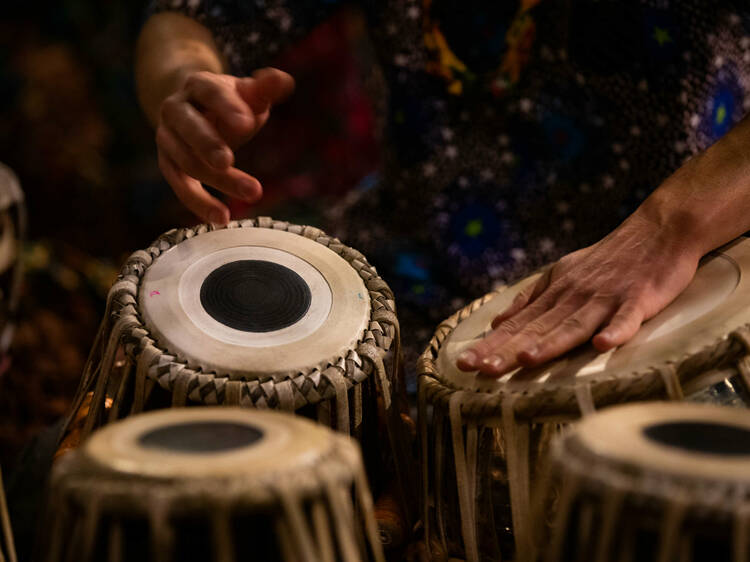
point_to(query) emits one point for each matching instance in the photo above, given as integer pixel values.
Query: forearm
(706, 203)
(170, 46)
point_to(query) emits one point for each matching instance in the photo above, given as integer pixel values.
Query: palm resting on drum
(601, 293)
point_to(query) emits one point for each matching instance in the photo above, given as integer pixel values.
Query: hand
(606, 291)
(201, 124)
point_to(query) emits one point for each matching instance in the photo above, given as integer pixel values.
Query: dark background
(71, 128)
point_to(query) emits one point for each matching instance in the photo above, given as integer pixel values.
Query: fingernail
(216, 217)
(532, 353)
(493, 361)
(468, 357)
(220, 158)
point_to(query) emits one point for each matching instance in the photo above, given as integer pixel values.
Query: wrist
(672, 220)
(672, 228)
(170, 47)
(706, 202)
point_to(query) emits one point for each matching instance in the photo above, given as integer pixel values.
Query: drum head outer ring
(287, 390)
(609, 450)
(556, 401)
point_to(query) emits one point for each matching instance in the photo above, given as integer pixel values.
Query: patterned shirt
(515, 131)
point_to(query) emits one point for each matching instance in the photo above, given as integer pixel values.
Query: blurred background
(71, 129)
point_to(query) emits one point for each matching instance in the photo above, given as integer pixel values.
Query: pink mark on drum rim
(154, 293)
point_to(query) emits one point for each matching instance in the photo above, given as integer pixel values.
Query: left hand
(604, 291)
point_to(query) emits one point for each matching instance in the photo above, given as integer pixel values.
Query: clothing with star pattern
(514, 132)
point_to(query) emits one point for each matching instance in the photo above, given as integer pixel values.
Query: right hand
(202, 123)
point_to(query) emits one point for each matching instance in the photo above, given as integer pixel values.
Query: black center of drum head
(201, 437)
(255, 296)
(702, 437)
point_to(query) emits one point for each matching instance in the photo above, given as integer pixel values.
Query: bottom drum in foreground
(661, 482)
(211, 484)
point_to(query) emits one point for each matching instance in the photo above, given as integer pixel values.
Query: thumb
(267, 86)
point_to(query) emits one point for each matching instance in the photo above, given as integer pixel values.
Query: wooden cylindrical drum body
(219, 484)
(652, 482)
(483, 436)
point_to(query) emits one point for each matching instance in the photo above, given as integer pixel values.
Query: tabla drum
(484, 435)
(651, 482)
(211, 484)
(12, 236)
(260, 314)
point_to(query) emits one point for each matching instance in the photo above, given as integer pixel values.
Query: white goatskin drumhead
(716, 302)
(253, 302)
(206, 442)
(686, 439)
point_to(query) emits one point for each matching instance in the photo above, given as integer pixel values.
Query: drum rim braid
(726, 351)
(308, 386)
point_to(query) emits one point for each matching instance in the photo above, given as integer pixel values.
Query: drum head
(208, 442)
(715, 303)
(256, 303)
(678, 439)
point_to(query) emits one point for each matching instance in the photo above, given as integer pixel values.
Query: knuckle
(173, 111)
(196, 79)
(638, 293)
(509, 326)
(573, 323)
(535, 328)
(579, 288)
(629, 314)
(601, 297)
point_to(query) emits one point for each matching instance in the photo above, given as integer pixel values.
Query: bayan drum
(653, 482)
(206, 484)
(486, 433)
